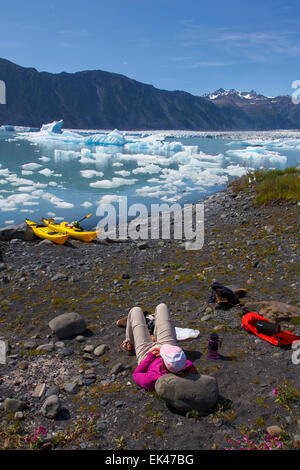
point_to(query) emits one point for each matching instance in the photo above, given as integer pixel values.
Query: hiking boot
(240, 293)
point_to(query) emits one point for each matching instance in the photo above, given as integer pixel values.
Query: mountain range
(97, 99)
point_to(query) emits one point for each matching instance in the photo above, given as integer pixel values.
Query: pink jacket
(150, 369)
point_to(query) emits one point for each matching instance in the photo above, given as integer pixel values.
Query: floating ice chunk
(117, 164)
(63, 205)
(113, 183)
(258, 155)
(86, 161)
(31, 166)
(151, 168)
(27, 172)
(45, 159)
(283, 143)
(9, 222)
(29, 189)
(142, 159)
(91, 173)
(86, 204)
(15, 181)
(51, 214)
(123, 173)
(7, 128)
(55, 127)
(46, 172)
(65, 154)
(153, 145)
(4, 172)
(86, 153)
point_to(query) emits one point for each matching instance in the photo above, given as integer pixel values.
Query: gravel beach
(97, 404)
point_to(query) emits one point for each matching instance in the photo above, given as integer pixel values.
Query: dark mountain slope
(104, 100)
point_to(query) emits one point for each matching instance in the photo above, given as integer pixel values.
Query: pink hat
(173, 357)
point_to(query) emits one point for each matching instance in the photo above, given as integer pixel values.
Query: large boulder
(194, 392)
(51, 407)
(68, 325)
(13, 405)
(273, 310)
(21, 231)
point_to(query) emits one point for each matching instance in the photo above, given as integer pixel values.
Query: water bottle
(213, 344)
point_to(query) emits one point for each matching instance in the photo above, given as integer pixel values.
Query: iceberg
(7, 128)
(91, 173)
(46, 172)
(31, 166)
(151, 168)
(51, 133)
(153, 145)
(55, 127)
(65, 154)
(113, 183)
(122, 173)
(258, 155)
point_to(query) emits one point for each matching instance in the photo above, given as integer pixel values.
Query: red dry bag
(282, 338)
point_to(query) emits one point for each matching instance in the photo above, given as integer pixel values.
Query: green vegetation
(286, 394)
(272, 185)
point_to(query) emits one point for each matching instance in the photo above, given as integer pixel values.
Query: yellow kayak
(45, 232)
(73, 232)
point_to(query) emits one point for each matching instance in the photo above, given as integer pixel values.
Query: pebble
(119, 403)
(101, 425)
(125, 276)
(65, 352)
(117, 368)
(71, 387)
(89, 348)
(45, 347)
(297, 440)
(39, 390)
(19, 415)
(218, 327)
(80, 339)
(101, 349)
(53, 390)
(23, 365)
(59, 277)
(206, 318)
(88, 380)
(87, 357)
(274, 430)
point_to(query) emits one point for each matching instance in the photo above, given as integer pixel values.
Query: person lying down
(158, 355)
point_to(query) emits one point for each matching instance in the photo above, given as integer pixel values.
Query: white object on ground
(186, 333)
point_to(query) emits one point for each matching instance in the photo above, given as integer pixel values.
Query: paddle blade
(86, 217)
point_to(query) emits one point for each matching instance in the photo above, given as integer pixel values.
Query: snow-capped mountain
(244, 95)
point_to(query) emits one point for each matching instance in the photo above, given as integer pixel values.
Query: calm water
(61, 186)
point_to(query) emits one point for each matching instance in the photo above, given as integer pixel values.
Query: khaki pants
(137, 332)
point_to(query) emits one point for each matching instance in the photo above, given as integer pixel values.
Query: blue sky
(192, 45)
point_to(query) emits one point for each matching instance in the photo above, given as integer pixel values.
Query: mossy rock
(194, 392)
